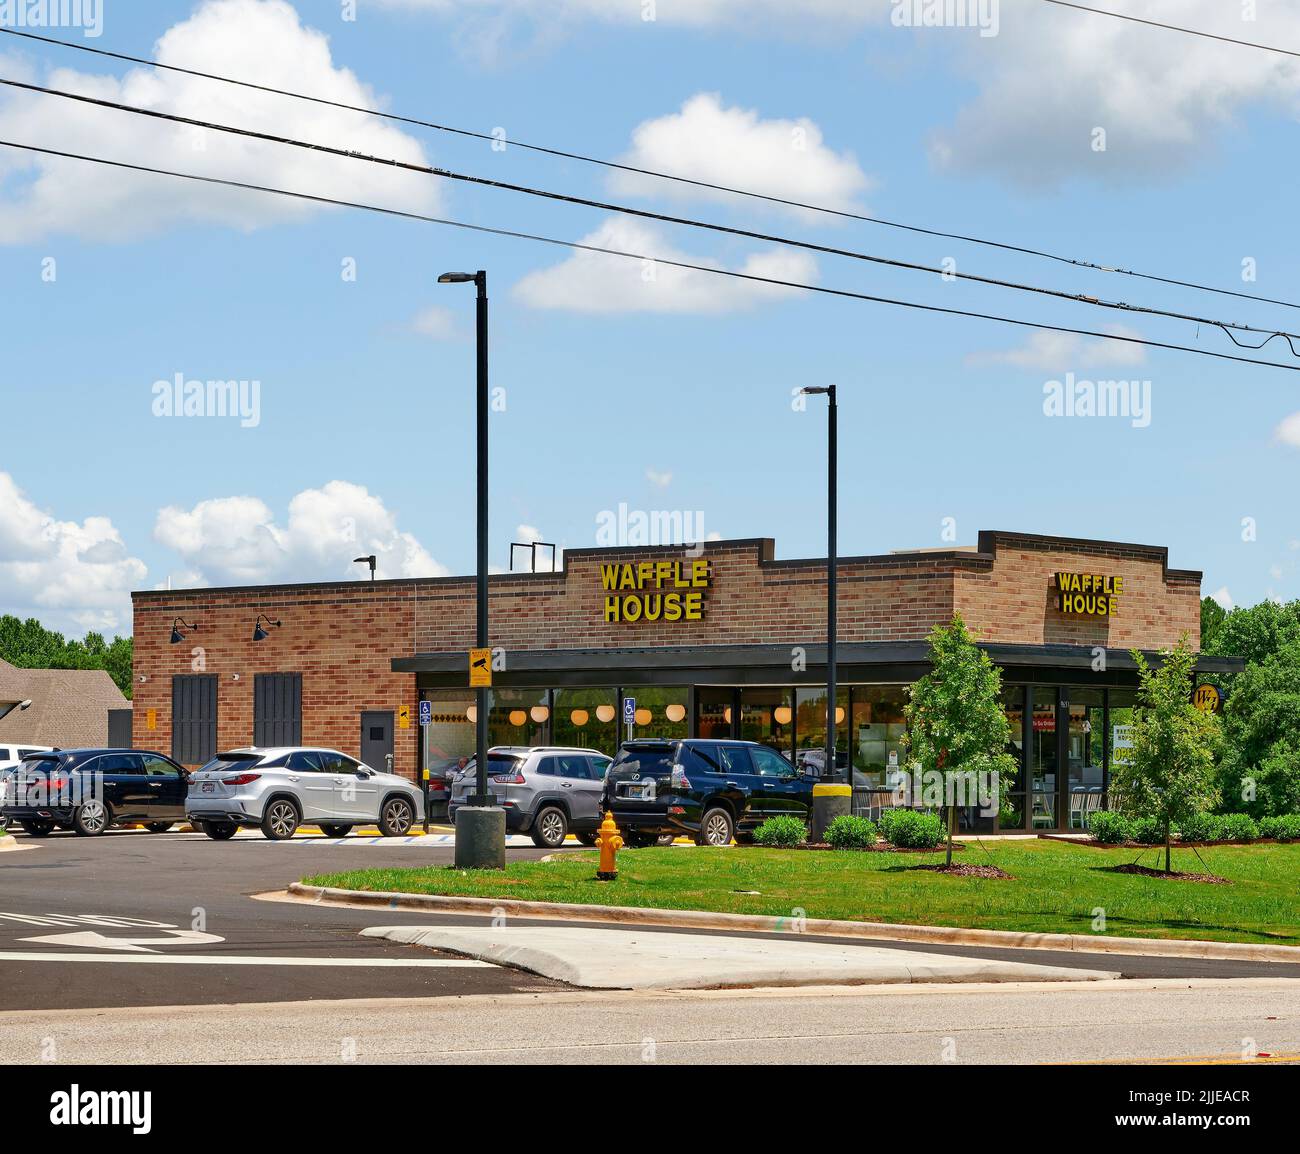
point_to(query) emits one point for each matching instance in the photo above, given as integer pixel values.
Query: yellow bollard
(610, 843)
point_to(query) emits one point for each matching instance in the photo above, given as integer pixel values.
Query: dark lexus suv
(87, 790)
(711, 790)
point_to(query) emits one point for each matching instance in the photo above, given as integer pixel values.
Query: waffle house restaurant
(723, 640)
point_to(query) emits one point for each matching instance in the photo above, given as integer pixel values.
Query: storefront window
(1043, 760)
(519, 717)
(1012, 787)
(1122, 704)
(876, 733)
(449, 737)
(661, 711)
(586, 718)
(810, 729)
(767, 716)
(714, 708)
(1084, 754)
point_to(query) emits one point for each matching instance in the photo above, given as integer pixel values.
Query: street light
(832, 566)
(372, 561)
(483, 843)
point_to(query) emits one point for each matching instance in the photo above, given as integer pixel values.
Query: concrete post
(830, 800)
(480, 838)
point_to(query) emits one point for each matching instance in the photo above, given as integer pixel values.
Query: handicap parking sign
(629, 710)
(426, 712)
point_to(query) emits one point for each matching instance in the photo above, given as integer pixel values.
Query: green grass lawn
(1055, 889)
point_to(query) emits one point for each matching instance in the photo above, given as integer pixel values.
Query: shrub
(781, 832)
(908, 829)
(849, 832)
(1283, 827)
(1109, 827)
(1238, 827)
(1201, 827)
(1147, 830)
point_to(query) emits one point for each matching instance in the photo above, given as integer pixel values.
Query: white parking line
(248, 960)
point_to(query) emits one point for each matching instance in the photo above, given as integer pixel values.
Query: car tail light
(679, 780)
(241, 779)
(509, 779)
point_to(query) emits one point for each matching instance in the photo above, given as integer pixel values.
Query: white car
(280, 789)
(10, 756)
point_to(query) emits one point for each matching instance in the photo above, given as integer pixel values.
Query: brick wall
(342, 636)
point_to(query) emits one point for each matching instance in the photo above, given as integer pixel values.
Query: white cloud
(436, 323)
(1223, 597)
(259, 40)
(663, 480)
(236, 540)
(591, 282)
(1053, 351)
(737, 148)
(693, 13)
(1288, 431)
(72, 576)
(1052, 76)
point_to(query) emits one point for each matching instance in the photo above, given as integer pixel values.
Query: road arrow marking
(95, 941)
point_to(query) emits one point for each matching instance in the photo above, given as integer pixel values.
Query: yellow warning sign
(480, 668)
(404, 717)
(151, 720)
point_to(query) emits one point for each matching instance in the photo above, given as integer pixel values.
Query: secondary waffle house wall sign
(1089, 594)
(668, 591)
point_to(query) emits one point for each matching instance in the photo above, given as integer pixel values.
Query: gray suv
(547, 792)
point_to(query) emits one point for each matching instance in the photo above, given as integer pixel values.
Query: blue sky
(668, 395)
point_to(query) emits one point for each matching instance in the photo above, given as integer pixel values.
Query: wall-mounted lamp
(177, 635)
(372, 561)
(260, 634)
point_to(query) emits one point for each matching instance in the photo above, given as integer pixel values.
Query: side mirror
(364, 774)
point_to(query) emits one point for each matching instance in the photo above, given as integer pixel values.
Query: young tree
(956, 724)
(1169, 772)
(1260, 770)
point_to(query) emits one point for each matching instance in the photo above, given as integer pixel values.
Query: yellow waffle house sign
(1089, 594)
(648, 591)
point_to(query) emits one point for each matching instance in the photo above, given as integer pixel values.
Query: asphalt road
(171, 884)
(1223, 1021)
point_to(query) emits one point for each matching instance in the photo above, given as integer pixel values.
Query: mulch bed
(1144, 871)
(966, 870)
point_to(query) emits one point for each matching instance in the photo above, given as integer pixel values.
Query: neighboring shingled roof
(69, 706)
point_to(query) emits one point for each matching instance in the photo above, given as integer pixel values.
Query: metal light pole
(484, 843)
(832, 578)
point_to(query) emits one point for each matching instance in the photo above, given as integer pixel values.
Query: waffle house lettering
(653, 591)
(1089, 594)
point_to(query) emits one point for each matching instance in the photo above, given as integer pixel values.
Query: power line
(693, 182)
(1174, 28)
(647, 214)
(644, 257)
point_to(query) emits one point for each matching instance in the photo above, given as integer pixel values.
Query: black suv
(87, 790)
(712, 790)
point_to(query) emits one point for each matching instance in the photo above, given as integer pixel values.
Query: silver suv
(280, 789)
(548, 791)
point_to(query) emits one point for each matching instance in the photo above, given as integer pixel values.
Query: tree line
(29, 645)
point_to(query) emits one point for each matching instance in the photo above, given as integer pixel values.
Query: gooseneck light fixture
(177, 635)
(260, 634)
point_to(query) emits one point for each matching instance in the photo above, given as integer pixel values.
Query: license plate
(637, 790)
(208, 787)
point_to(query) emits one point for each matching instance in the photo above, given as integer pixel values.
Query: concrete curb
(8, 843)
(815, 927)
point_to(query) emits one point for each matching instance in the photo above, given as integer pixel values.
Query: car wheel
(220, 830)
(550, 828)
(335, 830)
(396, 818)
(38, 828)
(159, 826)
(91, 819)
(716, 828)
(587, 838)
(280, 821)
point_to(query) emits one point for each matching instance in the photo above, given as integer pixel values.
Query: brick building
(723, 640)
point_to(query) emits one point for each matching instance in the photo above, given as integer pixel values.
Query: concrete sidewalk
(639, 959)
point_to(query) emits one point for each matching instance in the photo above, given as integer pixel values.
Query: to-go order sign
(1089, 594)
(668, 591)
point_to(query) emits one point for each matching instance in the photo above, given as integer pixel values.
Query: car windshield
(225, 762)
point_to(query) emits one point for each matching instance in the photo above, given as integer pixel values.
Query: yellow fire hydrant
(610, 843)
